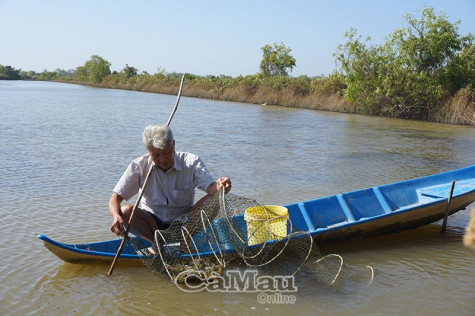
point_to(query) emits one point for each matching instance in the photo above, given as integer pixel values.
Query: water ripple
(63, 148)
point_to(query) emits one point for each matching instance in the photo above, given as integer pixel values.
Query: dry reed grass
(460, 109)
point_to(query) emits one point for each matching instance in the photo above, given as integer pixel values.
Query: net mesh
(230, 229)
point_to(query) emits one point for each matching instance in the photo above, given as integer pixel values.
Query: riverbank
(322, 94)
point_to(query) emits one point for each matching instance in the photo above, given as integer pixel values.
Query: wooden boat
(363, 213)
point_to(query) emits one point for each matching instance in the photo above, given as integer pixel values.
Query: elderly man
(170, 192)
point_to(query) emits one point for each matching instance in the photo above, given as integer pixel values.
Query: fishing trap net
(230, 229)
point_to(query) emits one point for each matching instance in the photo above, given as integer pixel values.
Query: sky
(215, 37)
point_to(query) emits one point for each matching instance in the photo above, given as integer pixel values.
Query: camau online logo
(271, 289)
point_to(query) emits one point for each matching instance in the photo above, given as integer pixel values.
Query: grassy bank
(324, 94)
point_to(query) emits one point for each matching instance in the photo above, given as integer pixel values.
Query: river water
(63, 148)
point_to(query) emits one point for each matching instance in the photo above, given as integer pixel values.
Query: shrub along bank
(318, 93)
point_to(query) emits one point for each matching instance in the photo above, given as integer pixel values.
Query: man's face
(164, 157)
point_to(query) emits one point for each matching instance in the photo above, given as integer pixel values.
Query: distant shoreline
(459, 110)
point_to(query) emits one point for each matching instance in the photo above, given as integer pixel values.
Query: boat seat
(442, 191)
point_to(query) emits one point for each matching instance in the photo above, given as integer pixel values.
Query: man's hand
(224, 182)
(117, 226)
(118, 222)
(213, 188)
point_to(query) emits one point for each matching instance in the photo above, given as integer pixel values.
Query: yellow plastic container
(266, 224)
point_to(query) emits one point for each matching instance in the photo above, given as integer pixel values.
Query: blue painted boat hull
(362, 213)
(98, 252)
(384, 209)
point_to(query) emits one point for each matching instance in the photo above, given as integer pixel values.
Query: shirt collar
(177, 163)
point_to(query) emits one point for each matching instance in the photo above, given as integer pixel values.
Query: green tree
(94, 70)
(9, 73)
(429, 43)
(65, 73)
(276, 60)
(422, 68)
(47, 75)
(28, 74)
(363, 67)
(130, 71)
(419, 65)
(460, 71)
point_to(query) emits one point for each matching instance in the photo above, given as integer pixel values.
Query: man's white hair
(157, 136)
